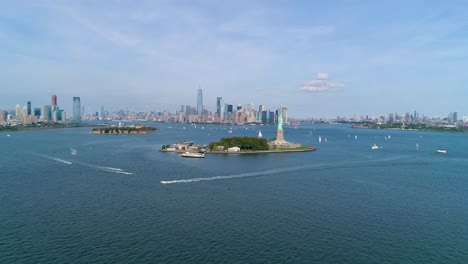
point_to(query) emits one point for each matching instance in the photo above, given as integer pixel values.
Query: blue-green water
(343, 203)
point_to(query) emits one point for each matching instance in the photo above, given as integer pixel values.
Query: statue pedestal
(280, 143)
(279, 135)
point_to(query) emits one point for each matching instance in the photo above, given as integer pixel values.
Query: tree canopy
(244, 143)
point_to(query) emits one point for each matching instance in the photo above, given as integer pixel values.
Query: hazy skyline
(318, 59)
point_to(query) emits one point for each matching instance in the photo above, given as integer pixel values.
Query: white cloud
(321, 84)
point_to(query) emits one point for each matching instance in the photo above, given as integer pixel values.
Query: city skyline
(77, 110)
(319, 59)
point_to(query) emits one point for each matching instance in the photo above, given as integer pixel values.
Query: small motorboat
(193, 155)
(442, 151)
(375, 147)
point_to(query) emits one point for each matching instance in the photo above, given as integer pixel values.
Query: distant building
(200, 102)
(234, 149)
(55, 113)
(271, 117)
(29, 108)
(18, 112)
(25, 114)
(47, 113)
(220, 107)
(53, 100)
(264, 117)
(76, 110)
(3, 115)
(37, 112)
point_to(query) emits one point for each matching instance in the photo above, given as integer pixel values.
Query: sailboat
(388, 136)
(260, 134)
(320, 139)
(355, 137)
(325, 139)
(417, 146)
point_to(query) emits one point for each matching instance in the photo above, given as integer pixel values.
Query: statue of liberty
(280, 121)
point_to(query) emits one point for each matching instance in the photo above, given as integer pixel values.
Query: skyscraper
(219, 107)
(76, 110)
(53, 101)
(29, 108)
(37, 112)
(25, 114)
(18, 112)
(200, 102)
(47, 113)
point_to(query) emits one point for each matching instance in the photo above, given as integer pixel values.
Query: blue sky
(319, 58)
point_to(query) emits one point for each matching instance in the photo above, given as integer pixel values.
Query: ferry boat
(443, 151)
(193, 155)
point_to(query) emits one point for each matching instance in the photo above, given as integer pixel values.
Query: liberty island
(251, 145)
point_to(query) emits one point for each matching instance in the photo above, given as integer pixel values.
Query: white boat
(374, 147)
(193, 155)
(326, 140)
(417, 146)
(388, 137)
(443, 151)
(7, 135)
(230, 131)
(320, 139)
(260, 134)
(355, 137)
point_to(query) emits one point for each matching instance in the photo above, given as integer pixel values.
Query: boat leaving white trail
(382, 162)
(106, 169)
(242, 175)
(55, 159)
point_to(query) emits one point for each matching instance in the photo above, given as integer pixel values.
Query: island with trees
(252, 145)
(122, 130)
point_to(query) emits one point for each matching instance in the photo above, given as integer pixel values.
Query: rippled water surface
(67, 196)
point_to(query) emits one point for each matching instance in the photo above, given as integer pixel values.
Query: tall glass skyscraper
(76, 110)
(29, 108)
(220, 107)
(200, 102)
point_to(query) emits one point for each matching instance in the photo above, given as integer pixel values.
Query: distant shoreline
(41, 127)
(414, 128)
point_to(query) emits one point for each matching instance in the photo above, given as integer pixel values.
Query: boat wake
(62, 161)
(242, 175)
(107, 169)
(55, 159)
(381, 163)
